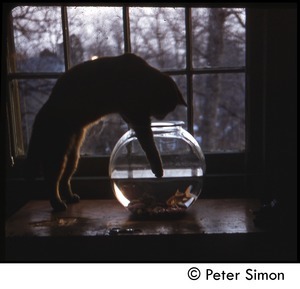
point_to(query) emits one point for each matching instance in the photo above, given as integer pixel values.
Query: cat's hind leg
(55, 161)
(54, 166)
(71, 167)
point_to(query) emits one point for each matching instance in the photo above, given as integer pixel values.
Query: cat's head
(149, 91)
(165, 97)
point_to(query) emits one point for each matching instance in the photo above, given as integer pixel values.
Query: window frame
(244, 166)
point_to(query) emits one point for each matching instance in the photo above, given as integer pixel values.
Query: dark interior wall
(281, 109)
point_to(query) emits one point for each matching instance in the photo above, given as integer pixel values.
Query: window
(203, 49)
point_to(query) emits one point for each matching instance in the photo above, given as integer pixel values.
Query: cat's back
(101, 74)
(106, 65)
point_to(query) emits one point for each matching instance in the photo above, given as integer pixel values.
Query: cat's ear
(180, 100)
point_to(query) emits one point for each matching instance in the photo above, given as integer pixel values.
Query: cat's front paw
(157, 170)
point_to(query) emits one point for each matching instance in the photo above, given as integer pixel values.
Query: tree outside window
(159, 35)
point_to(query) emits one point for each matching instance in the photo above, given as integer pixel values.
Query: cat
(124, 84)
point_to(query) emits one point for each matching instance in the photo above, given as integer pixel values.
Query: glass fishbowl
(139, 190)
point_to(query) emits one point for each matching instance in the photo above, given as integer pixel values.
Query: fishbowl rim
(171, 123)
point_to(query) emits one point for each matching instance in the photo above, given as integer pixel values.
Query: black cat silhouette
(124, 84)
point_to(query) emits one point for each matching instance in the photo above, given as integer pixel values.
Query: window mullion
(66, 42)
(13, 100)
(188, 31)
(126, 29)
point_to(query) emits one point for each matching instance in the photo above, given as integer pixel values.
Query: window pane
(33, 94)
(219, 112)
(158, 35)
(37, 36)
(218, 37)
(95, 32)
